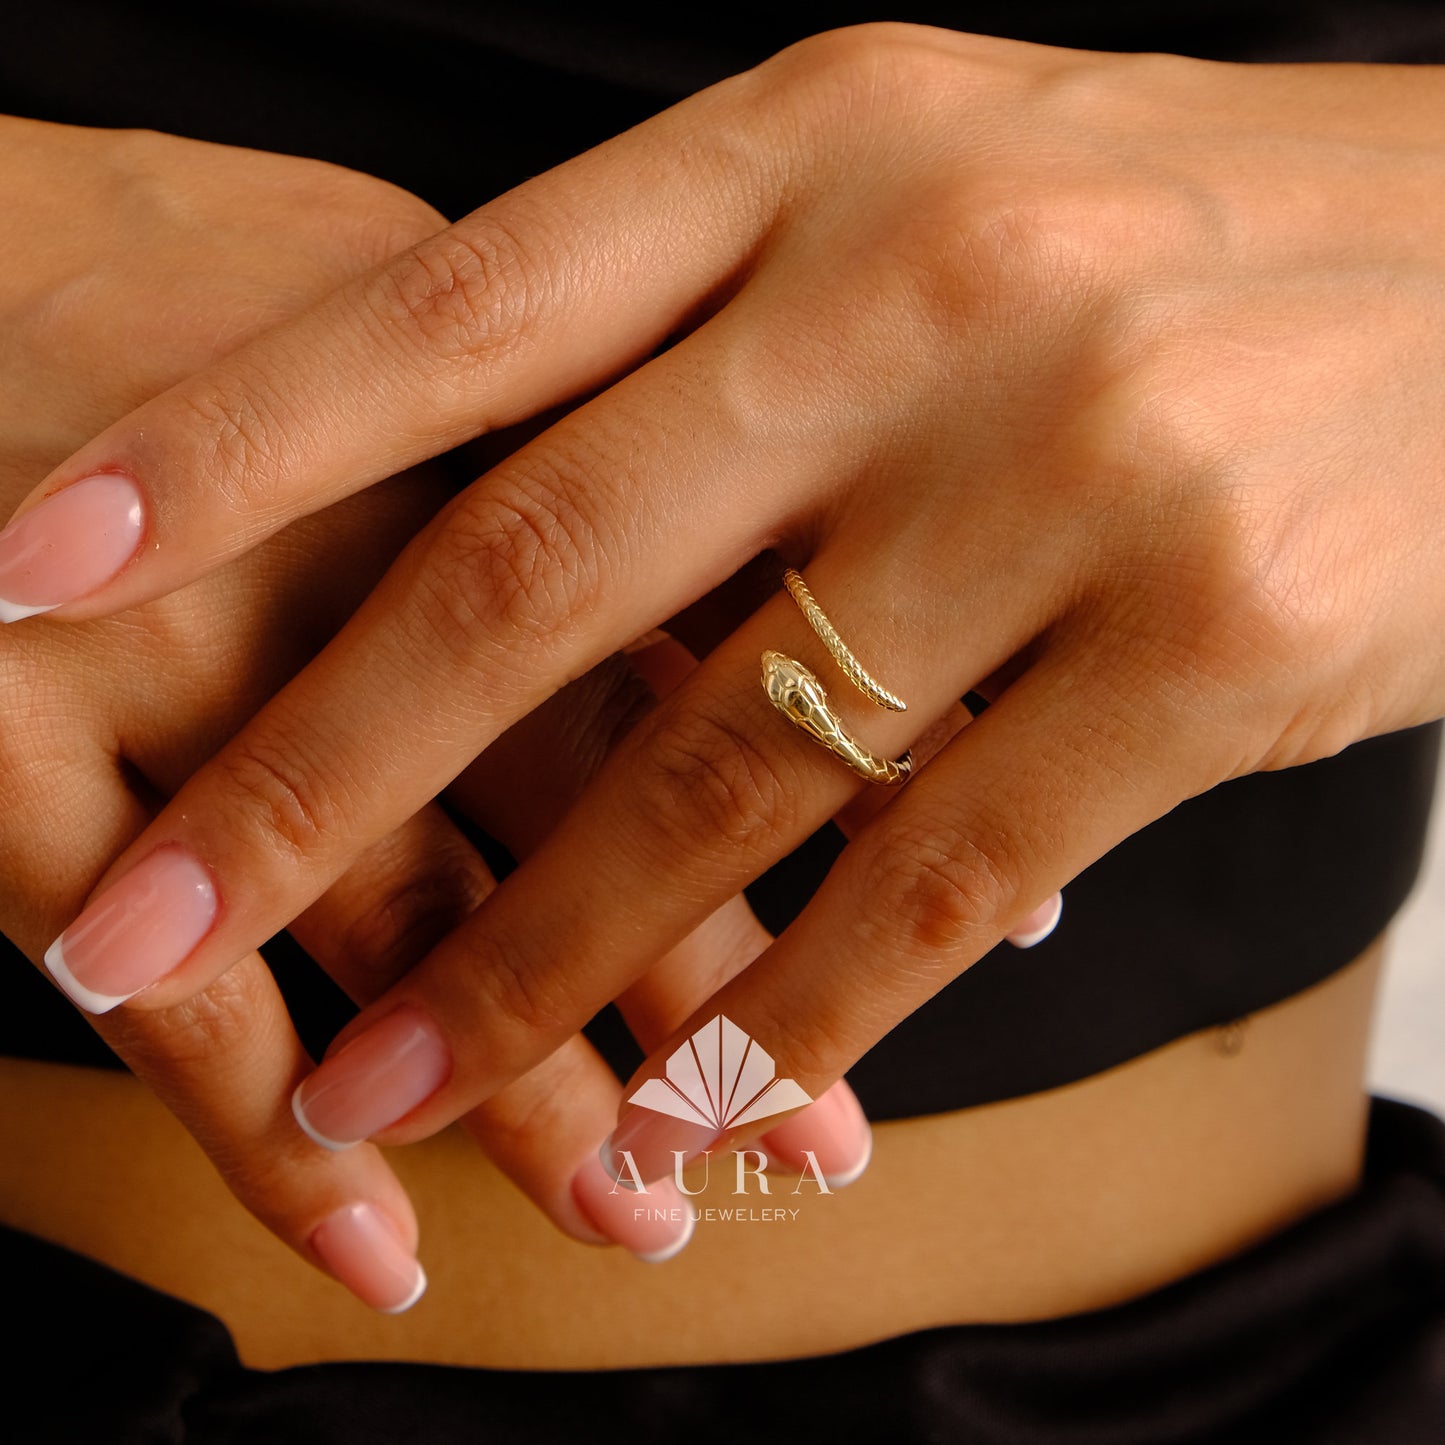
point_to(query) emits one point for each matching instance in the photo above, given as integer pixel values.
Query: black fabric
(459, 100)
(1234, 901)
(1332, 1333)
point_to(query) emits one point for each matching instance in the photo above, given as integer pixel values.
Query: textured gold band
(842, 655)
(796, 693)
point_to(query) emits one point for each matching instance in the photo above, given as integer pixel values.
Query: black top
(1234, 901)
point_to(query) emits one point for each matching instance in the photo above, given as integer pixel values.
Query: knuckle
(1021, 266)
(1235, 600)
(1000, 284)
(380, 941)
(517, 986)
(385, 938)
(1260, 631)
(938, 890)
(704, 779)
(189, 1035)
(276, 787)
(1145, 398)
(816, 1049)
(589, 718)
(626, 700)
(841, 90)
(1270, 592)
(515, 565)
(467, 293)
(176, 1050)
(861, 66)
(240, 440)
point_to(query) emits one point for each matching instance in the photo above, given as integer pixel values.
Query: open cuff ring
(797, 693)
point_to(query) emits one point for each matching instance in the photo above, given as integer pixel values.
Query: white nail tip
(1027, 940)
(851, 1176)
(661, 1256)
(86, 998)
(19, 611)
(316, 1137)
(418, 1290)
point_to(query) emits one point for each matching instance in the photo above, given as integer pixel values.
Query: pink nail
(650, 1143)
(68, 545)
(139, 929)
(361, 1248)
(654, 1226)
(834, 1129)
(1036, 926)
(380, 1076)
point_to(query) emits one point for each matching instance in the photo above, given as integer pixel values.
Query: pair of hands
(1105, 383)
(136, 259)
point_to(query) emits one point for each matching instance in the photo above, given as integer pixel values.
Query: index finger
(529, 301)
(579, 542)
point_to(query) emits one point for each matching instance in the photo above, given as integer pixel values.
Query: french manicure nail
(834, 1129)
(645, 1145)
(68, 545)
(654, 1226)
(380, 1076)
(138, 930)
(1036, 926)
(359, 1245)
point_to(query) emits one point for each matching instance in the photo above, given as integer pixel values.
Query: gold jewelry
(801, 698)
(852, 668)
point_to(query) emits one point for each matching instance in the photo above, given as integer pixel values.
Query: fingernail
(1039, 924)
(645, 1146)
(68, 545)
(380, 1076)
(138, 930)
(654, 1226)
(360, 1247)
(834, 1129)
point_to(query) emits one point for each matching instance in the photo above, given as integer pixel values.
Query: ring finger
(697, 801)
(542, 1130)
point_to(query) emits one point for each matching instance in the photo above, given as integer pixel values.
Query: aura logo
(722, 1078)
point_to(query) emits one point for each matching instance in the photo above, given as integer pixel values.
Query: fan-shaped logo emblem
(722, 1078)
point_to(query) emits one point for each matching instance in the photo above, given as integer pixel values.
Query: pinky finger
(226, 1062)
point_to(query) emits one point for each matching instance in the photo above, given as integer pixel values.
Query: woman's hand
(1109, 382)
(130, 260)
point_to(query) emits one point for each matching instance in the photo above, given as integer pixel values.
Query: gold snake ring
(797, 693)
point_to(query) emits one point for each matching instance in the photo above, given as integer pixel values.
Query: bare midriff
(1036, 1207)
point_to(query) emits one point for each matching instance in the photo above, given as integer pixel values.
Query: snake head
(791, 686)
